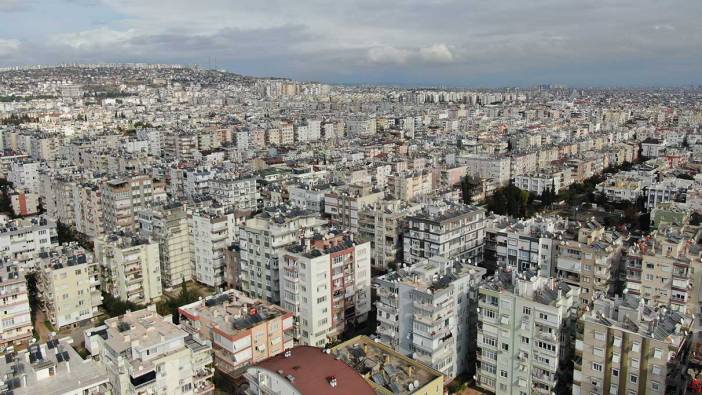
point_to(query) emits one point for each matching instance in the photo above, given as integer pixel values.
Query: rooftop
(384, 368)
(232, 312)
(312, 371)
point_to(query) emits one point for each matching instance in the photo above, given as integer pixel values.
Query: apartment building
(383, 223)
(406, 374)
(523, 244)
(130, 267)
(243, 331)
(525, 324)
(87, 208)
(179, 145)
(24, 203)
(57, 196)
(592, 262)
(122, 198)
(325, 282)
(621, 188)
(25, 175)
(623, 346)
(16, 324)
(237, 193)
(552, 179)
(54, 367)
(169, 226)
(22, 239)
(487, 166)
(667, 190)
(145, 353)
(447, 229)
(659, 269)
(213, 230)
(68, 281)
(261, 240)
(427, 312)
(308, 197)
(410, 186)
(343, 205)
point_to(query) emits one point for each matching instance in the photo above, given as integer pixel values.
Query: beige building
(168, 225)
(243, 331)
(87, 199)
(625, 347)
(130, 266)
(344, 204)
(383, 223)
(179, 145)
(69, 285)
(658, 269)
(592, 262)
(410, 186)
(145, 353)
(24, 203)
(121, 199)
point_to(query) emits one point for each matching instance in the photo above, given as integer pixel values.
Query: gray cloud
(444, 41)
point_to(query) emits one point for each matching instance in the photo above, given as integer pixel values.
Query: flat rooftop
(232, 311)
(384, 368)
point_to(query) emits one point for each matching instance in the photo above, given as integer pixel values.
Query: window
(656, 370)
(615, 372)
(633, 379)
(636, 347)
(503, 373)
(600, 336)
(490, 341)
(634, 363)
(655, 385)
(546, 346)
(657, 353)
(598, 352)
(596, 367)
(526, 310)
(543, 316)
(505, 346)
(525, 340)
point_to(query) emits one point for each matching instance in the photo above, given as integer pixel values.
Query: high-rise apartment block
(169, 226)
(130, 266)
(16, 323)
(262, 239)
(524, 328)
(445, 229)
(426, 311)
(325, 281)
(624, 346)
(69, 285)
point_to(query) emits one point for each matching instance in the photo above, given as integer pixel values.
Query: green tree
(469, 185)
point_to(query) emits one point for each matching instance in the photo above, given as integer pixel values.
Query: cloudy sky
(452, 42)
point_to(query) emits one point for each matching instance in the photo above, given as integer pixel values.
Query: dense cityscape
(173, 229)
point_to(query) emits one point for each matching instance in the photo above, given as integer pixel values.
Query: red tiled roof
(312, 369)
